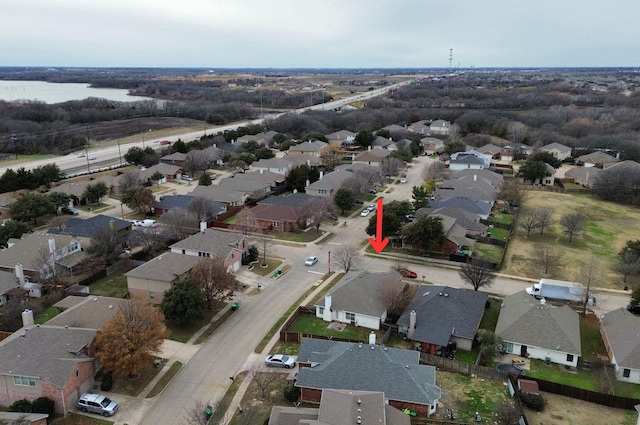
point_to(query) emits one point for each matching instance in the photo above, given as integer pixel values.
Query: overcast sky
(319, 33)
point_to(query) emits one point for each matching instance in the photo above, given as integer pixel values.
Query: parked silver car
(280, 360)
(96, 403)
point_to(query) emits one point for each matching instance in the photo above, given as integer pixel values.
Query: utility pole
(14, 139)
(450, 59)
(119, 152)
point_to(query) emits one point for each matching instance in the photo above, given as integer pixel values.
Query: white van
(145, 223)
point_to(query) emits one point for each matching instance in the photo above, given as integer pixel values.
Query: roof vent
(66, 326)
(360, 345)
(440, 293)
(110, 306)
(373, 347)
(406, 366)
(446, 295)
(359, 402)
(94, 299)
(23, 334)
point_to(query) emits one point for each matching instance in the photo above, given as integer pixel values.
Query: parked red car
(408, 273)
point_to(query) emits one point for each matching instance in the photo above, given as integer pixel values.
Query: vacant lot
(563, 410)
(607, 227)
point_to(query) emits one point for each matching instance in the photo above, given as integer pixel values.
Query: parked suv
(96, 403)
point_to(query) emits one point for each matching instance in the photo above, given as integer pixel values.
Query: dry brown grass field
(607, 227)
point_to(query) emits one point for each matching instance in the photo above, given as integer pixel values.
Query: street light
(329, 262)
(86, 155)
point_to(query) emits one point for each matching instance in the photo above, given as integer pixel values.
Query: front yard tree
(533, 170)
(331, 156)
(135, 155)
(365, 138)
(513, 192)
(546, 157)
(12, 229)
(94, 192)
(391, 165)
(59, 199)
(546, 256)
(157, 177)
(204, 180)
(183, 304)
(392, 218)
(344, 199)
(30, 206)
(426, 232)
(572, 224)
(477, 274)
(346, 257)
(202, 209)
(128, 341)
(314, 210)
(178, 222)
(139, 198)
(211, 277)
(420, 195)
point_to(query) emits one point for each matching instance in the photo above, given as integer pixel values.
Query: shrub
(23, 406)
(291, 393)
(44, 405)
(533, 401)
(107, 382)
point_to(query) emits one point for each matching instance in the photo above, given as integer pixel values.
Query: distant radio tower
(450, 59)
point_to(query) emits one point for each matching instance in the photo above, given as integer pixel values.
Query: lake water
(60, 92)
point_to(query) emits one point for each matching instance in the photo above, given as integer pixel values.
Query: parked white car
(365, 212)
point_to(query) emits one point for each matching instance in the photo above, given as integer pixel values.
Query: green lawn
(503, 218)
(272, 264)
(46, 315)
(591, 339)
(490, 317)
(298, 235)
(316, 326)
(114, 285)
(499, 234)
(488, 252)
(554, 373)
(468, 357)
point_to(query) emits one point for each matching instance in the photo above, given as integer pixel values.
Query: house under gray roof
(463, 218)
(87, 227)
(623, 332)
(165, 267)
(215, 242)
(473, 206)
(89, 312)
(525, 320)
(296, 200)
(359, 292)
(362, 367)
(49, 353)
(443, 311)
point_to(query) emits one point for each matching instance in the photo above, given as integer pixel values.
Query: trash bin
(279, 271)
(234, 306)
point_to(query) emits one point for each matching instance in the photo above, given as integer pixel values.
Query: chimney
(475, 177)
(308, 163)
(203, 226)
(52, 245)
(321, 174)
(326, 316)
(308, 182)
(372, 338)
(412, 324)
(19, 274)
(27, 318)
(261, 170)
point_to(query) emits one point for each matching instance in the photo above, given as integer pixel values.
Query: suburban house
(225, 195)
(311, 148)
(440, 315)
(468, 160)
(263, 176)
(284, 218)
(260, 138)
(251, 188)
(621, 334)
(584, 176)
(487, 175)
(176, 158)
(152, 279)
(274, 165)
(439, 127)
(549, 177)
(395, 128)
(44, 361)
(455, 236)
(627, 166)
(469, 222)
(169, 172)
(559, 150)
(371, 157)
(477, 207)
(515, 152)
(42, 254)
(406, 384)
(432, 146)
(419, 127)
(87, 228)
(86, 312)
(342, 407)
(167, 203)
(534, 329)
(296, 200)
(330, 182)
(468, 186)
(341, 138)
(212, 243)
(362, 298)
(381, 143)
(490, 150)
(595, 159)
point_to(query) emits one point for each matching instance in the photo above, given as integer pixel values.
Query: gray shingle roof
(45, 352)
(218, 193)
(243, 185)
(296, 200)
(89, 313)
(460, 311)
(524, 320)
(463, 218)
(349, 366)
(310, 146)
(359, 292)
(215, 242)
(27, 250)
(87, 227)
(473, 206)
(623, 332)
(165, 267)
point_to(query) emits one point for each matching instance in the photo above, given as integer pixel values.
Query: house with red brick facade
(45, 361)
(397, 373)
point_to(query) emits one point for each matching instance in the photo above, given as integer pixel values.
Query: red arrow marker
(378, 243)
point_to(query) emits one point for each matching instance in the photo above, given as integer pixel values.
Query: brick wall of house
(83, 373)
(8, 397)
(310, 395)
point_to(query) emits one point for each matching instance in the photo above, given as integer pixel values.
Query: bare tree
(180, 223)
(455, 133)
(477, 274)
(546, 256)
(262, 380)
(434, 170)
(529, 220)
(590, 274)
(572, 224)
(346, 257)
(203, 209)
(391, 290)
(371, 176)
(313, 211)
(50, 271)
(391, 165)
(129, 179)
(107, 240)
(545, 217)
(214, 280)
(514, 191)
(194, 161)
(517, 132)
(245, 220)
(331, 156)
(212, 156)
(358, 185)
(628, 263)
